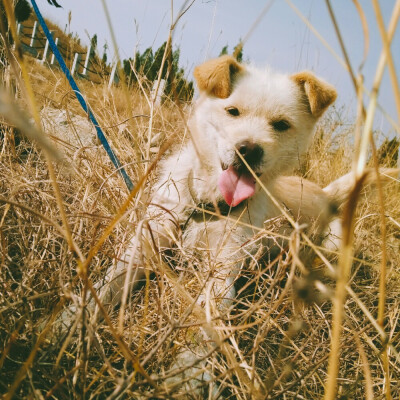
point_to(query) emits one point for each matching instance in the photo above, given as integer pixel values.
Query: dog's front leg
(122, 278)
(193, 369)
(130, 270)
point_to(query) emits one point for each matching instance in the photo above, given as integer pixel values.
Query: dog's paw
(191, 376)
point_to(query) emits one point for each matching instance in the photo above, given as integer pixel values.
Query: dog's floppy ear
(319, 93)
(216, 76)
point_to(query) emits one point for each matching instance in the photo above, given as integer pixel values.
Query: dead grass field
(281, 328)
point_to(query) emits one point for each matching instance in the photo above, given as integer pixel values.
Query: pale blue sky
(281, 40)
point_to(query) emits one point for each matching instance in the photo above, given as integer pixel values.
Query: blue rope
(80, 98)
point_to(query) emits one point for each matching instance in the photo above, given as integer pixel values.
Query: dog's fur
(249, 124)
(277, 113)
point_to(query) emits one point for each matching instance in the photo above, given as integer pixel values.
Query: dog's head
(247, 117)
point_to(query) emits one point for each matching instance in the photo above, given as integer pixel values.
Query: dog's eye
(232, 111)
(280, 125)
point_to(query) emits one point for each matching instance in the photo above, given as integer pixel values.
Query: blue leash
(80, 98)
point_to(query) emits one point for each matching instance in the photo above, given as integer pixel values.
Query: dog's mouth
(236, 184)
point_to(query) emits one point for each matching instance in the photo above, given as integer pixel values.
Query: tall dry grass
(60, 231)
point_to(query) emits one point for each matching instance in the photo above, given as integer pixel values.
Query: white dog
(249, 128)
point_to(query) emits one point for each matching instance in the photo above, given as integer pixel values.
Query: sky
(280, 40)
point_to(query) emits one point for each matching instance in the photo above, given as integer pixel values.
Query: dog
(228, 184)
(249, 129)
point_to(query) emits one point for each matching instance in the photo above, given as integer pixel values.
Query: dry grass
(281, 325)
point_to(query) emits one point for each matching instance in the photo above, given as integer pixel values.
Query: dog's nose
(250, 151)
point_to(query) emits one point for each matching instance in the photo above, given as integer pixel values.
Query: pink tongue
(234, 187)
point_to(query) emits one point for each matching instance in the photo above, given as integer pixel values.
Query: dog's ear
(320, 94)
(215, 77)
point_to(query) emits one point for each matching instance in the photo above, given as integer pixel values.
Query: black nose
(251, 152)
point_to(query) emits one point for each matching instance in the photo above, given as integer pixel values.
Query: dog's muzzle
(237, 183)
(251, 152)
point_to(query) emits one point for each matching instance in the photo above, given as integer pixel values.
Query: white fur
(190, 177)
